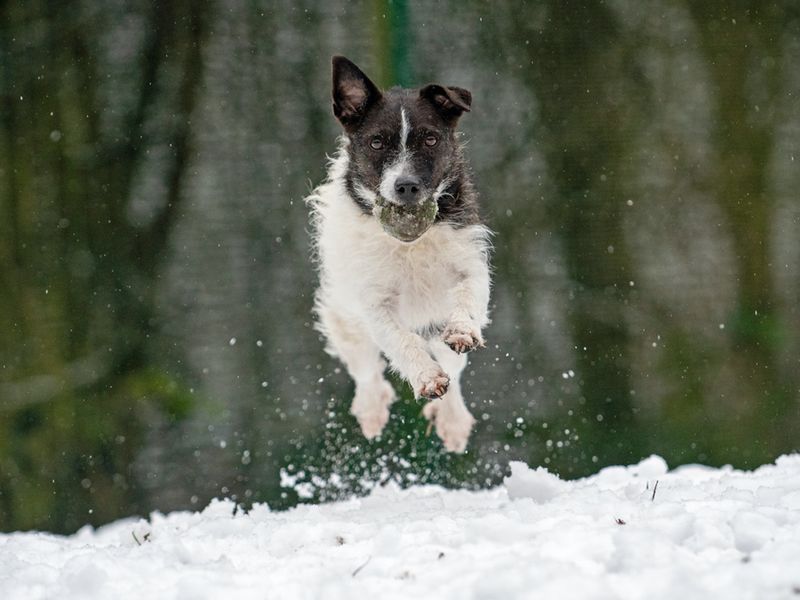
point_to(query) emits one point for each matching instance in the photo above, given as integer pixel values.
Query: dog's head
(402, 141)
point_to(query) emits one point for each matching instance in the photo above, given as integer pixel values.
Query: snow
(626, 532)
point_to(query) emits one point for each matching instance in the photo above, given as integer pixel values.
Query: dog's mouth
(406, 222)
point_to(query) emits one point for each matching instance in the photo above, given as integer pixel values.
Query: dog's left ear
(450, 102)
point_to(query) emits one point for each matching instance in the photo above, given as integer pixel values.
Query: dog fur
(421, 304)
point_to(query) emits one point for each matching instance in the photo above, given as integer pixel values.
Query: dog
(422, 304)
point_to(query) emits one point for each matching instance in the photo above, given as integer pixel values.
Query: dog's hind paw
(462, 336)
(372, 424)
(433, 384)
(453, 423)
(371, 407)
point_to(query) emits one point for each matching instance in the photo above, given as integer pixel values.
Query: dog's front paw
(462, 336)
(453, 423)
(432, 384)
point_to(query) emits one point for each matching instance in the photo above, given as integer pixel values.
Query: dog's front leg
(471, 301)
(407, 352)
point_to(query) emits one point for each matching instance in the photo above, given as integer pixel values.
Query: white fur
(405, 129)
(366, 194)
(377, 292)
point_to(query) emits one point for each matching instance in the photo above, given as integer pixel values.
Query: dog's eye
(431, 140)
(376, 143)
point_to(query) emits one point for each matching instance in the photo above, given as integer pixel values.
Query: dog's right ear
(353, 92)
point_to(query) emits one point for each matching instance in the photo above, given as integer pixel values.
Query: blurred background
(639, 162)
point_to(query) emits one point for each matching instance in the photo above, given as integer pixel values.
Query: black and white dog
(422, 304)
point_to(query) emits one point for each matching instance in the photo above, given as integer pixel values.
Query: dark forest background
(639, 162)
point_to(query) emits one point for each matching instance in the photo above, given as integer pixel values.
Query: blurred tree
(594, 71)
(586, 147)
(392, 40)
(743, 51)
(71, 397)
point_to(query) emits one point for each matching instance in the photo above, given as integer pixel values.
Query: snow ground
(707, 533)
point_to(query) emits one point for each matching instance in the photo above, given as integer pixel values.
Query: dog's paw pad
(433, 385)
(462, 337)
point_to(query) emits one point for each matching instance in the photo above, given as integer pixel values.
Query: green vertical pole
(393, 39)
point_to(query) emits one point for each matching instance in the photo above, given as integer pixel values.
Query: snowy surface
(707, 533)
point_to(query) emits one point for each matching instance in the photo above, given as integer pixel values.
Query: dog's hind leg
(449, 413)
(352, 345)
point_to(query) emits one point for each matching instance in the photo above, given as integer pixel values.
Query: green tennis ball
(406, 223)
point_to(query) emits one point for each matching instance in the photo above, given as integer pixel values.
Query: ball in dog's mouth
(406, 223)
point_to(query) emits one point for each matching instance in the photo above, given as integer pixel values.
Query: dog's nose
(407, 189)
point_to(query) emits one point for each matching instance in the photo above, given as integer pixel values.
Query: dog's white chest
(428, 270)
(364, 266)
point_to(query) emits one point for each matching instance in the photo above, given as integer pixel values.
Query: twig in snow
(366, 562)
(655, 489)
(146, 537)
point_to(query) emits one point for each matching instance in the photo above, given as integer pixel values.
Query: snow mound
(537, 484)
(637, 532)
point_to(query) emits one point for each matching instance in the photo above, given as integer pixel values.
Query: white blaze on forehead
(405, 129)
(399, 166)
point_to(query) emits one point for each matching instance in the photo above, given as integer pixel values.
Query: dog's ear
(353, 92)
(450, 102)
